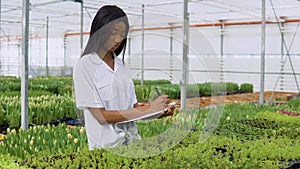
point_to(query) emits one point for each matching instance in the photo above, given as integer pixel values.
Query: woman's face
(118, 34)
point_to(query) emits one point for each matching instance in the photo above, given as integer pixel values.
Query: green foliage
(246, 87)
(172, 90)
(147, 92)
(294, 103)
(282, 119)
(189, 153)
(65, 90)
(246, 135)
(232, 87)
(254, 136)
(2, 115)
(9, 83)
(151, 82)
(41, 140)
(50, 84)
(31, 93)
(217, 88)
(42, 109)
(192, 90)
(9, 162)
(142, 92)
(52, 95)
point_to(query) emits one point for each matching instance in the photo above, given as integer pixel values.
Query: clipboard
(145, 117)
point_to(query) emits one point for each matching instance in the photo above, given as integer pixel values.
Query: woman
(103, 85)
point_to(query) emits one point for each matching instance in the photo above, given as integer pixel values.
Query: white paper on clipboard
(148, 116)
(145, 117)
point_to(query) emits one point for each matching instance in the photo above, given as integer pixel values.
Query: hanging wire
(89, 14)
(287, 51)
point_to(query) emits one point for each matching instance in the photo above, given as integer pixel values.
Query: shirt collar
(118, 62)
(96, 59)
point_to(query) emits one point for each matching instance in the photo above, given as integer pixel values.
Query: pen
(157, 92)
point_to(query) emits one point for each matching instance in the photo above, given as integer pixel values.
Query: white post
(263, 40)
(81, 25)
(185, 66)
(143, 41)
(47, 45)
(24, 63)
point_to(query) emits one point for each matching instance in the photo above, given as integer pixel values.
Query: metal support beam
(19, 54)
(143, 43)
(81, 23)
(282, 57)
(50, 2)
(0, 17)
(222, 51)
(171, 53)
(0, 36)
(24, 63)
(185, 66)
(263, 41)
(129, 48)
(47, 45)
(65, 55)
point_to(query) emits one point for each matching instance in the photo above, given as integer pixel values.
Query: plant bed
(68, 121)
(247, 136)
(235, 98)
(289, 113)
(217, 152)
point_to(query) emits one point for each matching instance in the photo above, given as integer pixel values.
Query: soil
(269, 96)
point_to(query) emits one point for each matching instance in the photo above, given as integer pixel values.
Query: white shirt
(98, 86)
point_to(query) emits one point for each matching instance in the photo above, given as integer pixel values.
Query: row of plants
(42, 109)
(46, 108)
(55, 85)
(52, 98)
(42, 140)
(152, 82)
(64, 85)
(147, 92)
(264, 154)
(247, 136)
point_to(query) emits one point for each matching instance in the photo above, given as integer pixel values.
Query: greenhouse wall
(236, 59)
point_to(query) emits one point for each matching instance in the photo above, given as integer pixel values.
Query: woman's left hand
(169, 112)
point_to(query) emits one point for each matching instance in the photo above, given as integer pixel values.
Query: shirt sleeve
(86, 94)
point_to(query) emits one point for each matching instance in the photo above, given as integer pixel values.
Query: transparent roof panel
(64, 15)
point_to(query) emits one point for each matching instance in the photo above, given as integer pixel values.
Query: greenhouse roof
(64, 15)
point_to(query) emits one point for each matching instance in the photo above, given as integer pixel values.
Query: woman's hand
(169, 111)
(160, 104)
